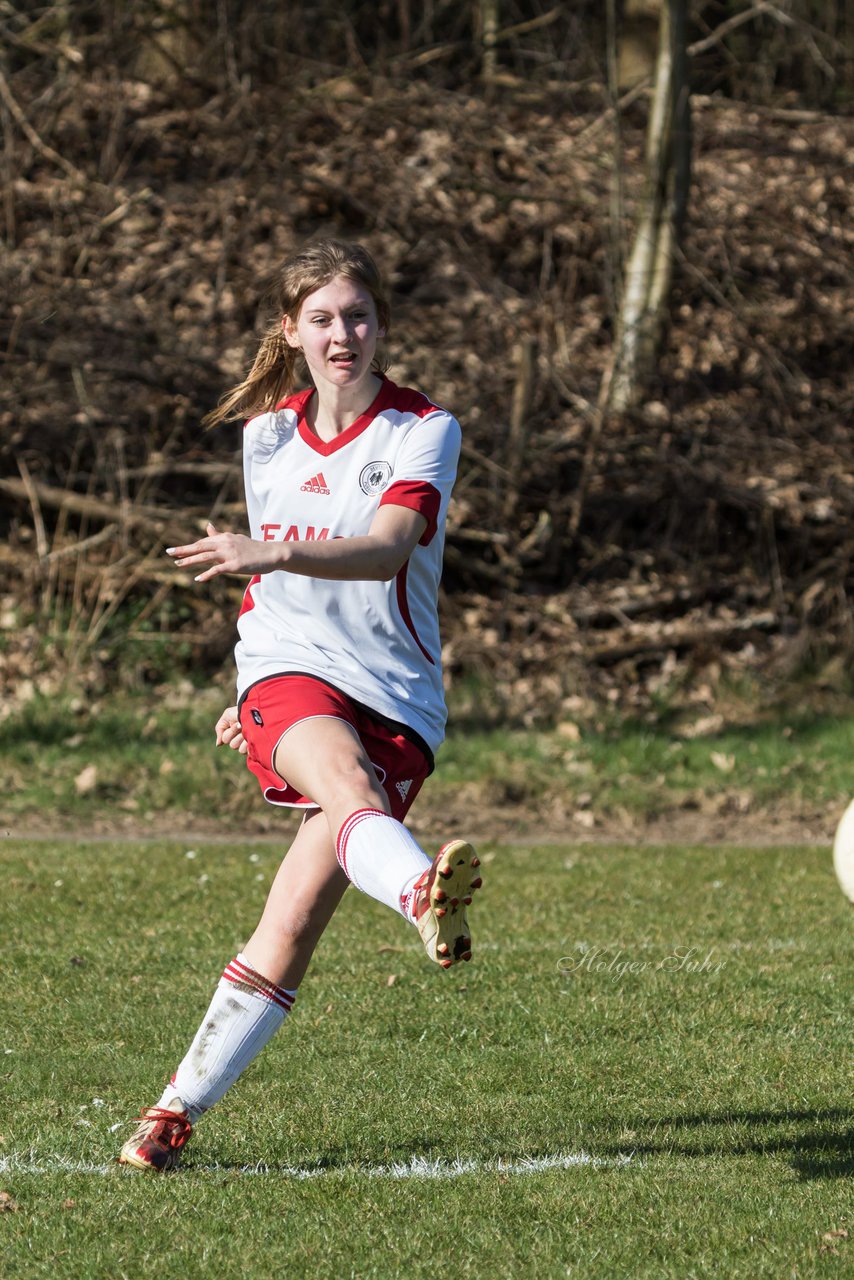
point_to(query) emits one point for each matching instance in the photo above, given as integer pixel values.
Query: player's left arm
(378, 555)
(410, 512)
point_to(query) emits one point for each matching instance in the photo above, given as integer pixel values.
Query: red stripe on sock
(243, 976)
(258, 991)
(246, 973)
(346, 831)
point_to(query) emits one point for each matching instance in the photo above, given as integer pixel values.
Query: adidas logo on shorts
(316, 484)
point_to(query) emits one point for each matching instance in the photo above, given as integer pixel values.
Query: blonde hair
(273, 373)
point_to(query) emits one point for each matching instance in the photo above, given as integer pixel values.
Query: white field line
(415, 1167)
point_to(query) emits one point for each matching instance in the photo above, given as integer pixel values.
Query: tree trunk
(488, 14)
(643, 309)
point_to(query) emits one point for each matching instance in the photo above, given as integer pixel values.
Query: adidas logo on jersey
(316, 484)
(403, 788)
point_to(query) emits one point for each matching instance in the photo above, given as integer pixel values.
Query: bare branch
(27, 129)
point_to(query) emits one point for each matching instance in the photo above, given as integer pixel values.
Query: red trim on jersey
(297, 401)
(364, 420)
(408, 400)
(248, 601)
(403, 606)
(389, 396)
(416, 495)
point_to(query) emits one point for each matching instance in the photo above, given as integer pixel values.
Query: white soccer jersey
(378, 642)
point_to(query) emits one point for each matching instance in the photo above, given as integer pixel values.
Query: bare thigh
(324, 759)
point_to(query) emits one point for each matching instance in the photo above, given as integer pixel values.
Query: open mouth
(344, 359)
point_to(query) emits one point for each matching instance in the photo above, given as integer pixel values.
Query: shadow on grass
(818, 1144)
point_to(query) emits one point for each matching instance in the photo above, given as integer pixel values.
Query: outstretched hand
(229, 733)
(225, 553)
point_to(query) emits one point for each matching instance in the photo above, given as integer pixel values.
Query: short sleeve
(425, 470)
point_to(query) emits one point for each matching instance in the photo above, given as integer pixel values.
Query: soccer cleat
(442, 893)
(157, 1142)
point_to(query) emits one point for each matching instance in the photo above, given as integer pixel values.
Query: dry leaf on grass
(86, 780)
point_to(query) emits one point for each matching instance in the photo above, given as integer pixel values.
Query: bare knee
(354, 784)
(325, 760)
(347, 783)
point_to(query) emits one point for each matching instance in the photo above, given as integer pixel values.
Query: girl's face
(337, 332)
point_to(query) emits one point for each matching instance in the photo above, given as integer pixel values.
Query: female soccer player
(340, 700)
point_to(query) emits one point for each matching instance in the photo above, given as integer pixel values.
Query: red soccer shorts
(271, 707)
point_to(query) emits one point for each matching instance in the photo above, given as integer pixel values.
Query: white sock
(245, 1012)
(380, 857)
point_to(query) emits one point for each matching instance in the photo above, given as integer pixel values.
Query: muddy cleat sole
(442, 894)
(156, 1144)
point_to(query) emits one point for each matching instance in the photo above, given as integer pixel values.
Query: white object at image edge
(843, 853)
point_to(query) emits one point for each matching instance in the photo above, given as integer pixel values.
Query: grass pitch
(644, 1073)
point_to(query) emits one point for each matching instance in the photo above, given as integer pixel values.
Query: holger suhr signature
(616, 963)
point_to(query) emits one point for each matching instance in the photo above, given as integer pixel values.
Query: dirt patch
(509, 825)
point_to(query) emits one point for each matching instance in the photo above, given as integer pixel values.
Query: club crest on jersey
(375, 477)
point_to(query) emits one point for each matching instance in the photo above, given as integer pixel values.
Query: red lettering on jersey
(293, 533)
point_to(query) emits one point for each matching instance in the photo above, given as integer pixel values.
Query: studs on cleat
(444, 891)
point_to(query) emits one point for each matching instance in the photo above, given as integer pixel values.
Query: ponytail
(271, 378)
